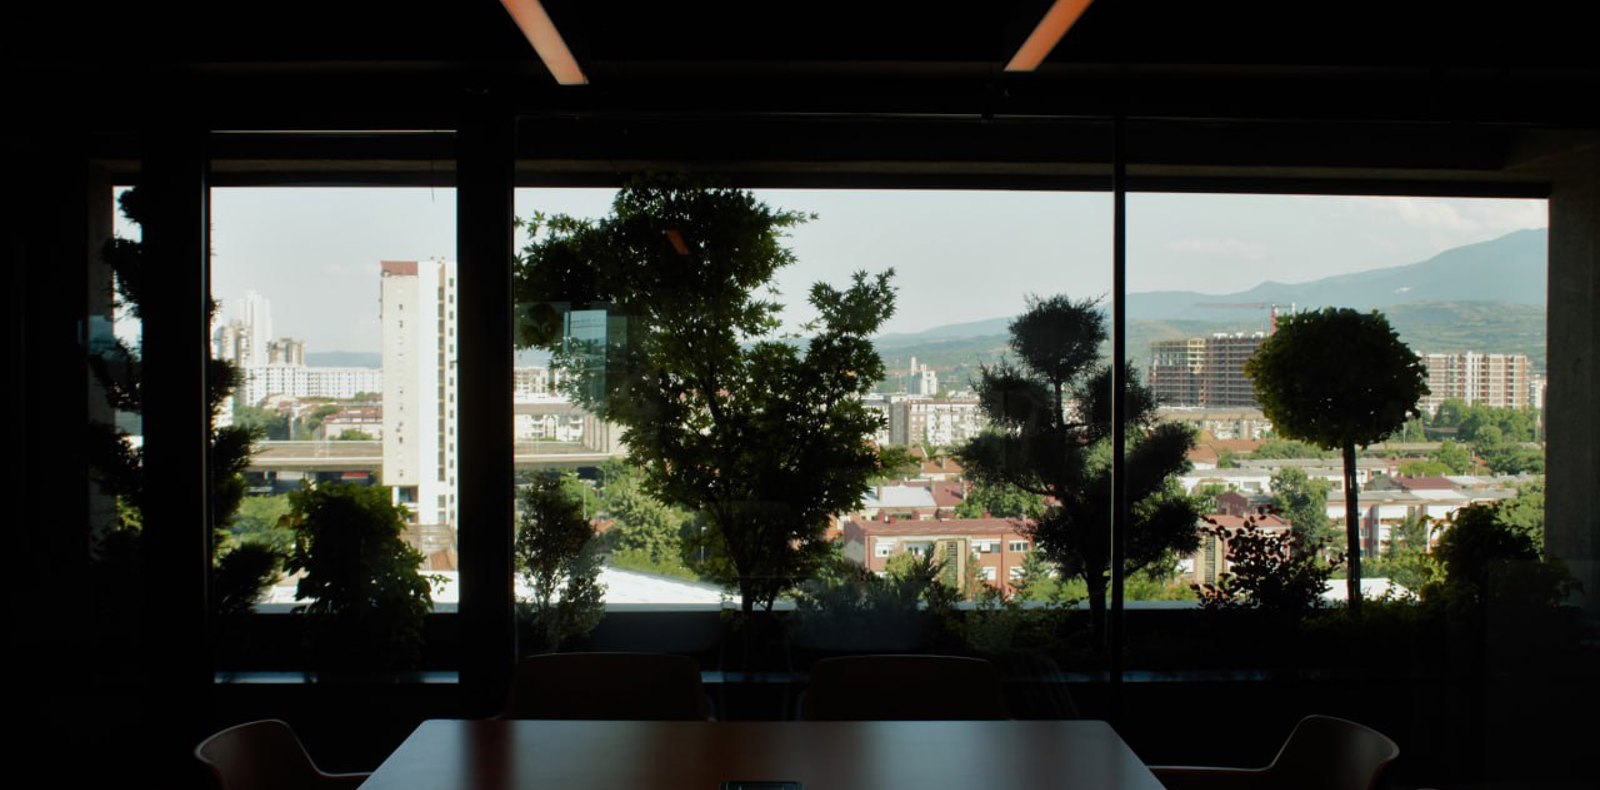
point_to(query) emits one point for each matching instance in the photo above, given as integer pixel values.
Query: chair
(628, 686)
(1323, 753)
(908, 687)
(266, 755)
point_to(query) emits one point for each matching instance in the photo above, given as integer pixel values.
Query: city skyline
(315, 252)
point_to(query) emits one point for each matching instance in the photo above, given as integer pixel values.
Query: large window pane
(1462, 282)
(336, 309)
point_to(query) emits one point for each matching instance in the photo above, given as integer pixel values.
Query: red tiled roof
(1426, 483)
(953, 527)
(1234, 522)
(401, 268)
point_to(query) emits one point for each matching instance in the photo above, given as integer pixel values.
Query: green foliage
(1270, 571)
(1205, 497)
(1455, 457)
(1339, 379)
(272, 426)
(1524, 513)
(1336, 378)
(1304, 502)
(263, 520)
(1515, 425)
(845, 606)
(897, 463)
(1406, 561)
(1037, 445)
(118, 468)
(1038, 581)
(1289, 448)
(1000, 500)
(1505, 456)
(354, 435)
(556, 552)
(646, 533)
(368, 595)
(1487, 561)
(766, 439)
(1425, 468)
(241, 574)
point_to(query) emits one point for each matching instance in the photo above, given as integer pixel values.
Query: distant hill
(1509, 269)
(1486, 297)
(344, 359)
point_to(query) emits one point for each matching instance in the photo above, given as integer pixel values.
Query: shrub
(556, 553)
(368, 595)
(1271, 571)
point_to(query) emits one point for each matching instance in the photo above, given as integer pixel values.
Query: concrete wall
(1572, 497)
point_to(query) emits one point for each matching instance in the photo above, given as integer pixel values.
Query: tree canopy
(1338, 378)
(556, 552)
(658, 311)
(1050, 431)
(1304, 502)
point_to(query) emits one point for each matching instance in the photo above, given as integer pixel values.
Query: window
(1017, 546)
(329, 303)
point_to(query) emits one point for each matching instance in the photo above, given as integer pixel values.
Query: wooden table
(884, 755)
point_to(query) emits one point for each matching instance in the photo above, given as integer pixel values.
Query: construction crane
(1272, 325)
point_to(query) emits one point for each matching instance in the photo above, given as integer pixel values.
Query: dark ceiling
(1360, 92)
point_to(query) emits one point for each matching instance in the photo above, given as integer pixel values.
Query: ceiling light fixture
(1063, 14)
(535, 23)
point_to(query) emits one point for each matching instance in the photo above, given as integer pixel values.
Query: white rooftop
(622, 586)
(1338, 589)
(899, 496)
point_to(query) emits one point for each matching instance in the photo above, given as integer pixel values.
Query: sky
(958, 256)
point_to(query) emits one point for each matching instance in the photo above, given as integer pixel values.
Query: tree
(1524, 513)
(1456, 457)
(267, 424)
(1338, 378)
(999, 500)
(555, 550)
(765, 438)
(1040, 444)
(354, 435)
(1288, 448)
(1505, 456)
(368, 596)
(1425, 468)
(1407, 562)
(646, 533)
(261, 520)
(1269, 571)
(1304, 502)
(1486, 561)
(1036, 580)
(241, 569)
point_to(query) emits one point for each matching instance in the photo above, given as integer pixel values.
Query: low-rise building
(996, 546)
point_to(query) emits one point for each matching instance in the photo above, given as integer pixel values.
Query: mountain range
(1489, 296)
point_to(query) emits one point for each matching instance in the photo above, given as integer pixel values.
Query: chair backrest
(628, 686)
(893, 687)
(1327, 753)
(258, 755)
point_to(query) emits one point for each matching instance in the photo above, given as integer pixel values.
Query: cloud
(1452, 222)
(1224, 247)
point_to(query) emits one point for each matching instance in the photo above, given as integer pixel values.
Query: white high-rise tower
(418, 313)
(258, 329)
